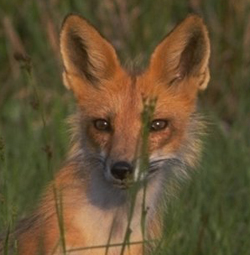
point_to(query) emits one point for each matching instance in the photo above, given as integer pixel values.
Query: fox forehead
(125, 95)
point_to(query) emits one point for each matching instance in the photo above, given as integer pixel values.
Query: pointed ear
(184, 53)
(86, 54)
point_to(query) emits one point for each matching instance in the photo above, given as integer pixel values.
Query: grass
(211, 214)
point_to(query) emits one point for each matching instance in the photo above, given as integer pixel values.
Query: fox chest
(101, 229)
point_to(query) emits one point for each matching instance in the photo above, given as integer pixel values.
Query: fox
(105, 199)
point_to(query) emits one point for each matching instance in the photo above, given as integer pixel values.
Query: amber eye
(158, 125)
(102, 125)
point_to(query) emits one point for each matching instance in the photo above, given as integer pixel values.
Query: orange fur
(91, 206)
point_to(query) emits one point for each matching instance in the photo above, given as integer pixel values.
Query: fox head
(112, 100)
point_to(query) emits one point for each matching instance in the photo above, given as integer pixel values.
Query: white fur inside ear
(66, 81)
(205, 77)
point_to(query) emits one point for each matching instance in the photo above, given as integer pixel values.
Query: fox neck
(119, 210)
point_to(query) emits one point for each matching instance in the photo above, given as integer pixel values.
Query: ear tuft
(193, 53)
(78, 55)
(85, 52)
(65, 80)
(183, 53)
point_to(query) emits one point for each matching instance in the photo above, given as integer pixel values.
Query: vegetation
(212, 212)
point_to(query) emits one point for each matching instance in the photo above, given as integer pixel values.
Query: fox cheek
(97, 140)
(158, 141)
(102, 143)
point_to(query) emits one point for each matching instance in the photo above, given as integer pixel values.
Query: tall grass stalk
(146, 118)
(143, 159)
(26, 65)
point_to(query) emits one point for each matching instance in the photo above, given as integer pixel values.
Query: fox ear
(85, 53)
(183, 53)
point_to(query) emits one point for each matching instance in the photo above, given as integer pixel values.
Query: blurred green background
(212, 212)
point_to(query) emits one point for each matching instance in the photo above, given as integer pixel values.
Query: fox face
(112, 101)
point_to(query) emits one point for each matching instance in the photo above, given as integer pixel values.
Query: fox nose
(121, 170)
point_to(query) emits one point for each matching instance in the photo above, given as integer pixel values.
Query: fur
(85, 205)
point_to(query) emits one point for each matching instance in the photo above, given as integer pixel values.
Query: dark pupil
(158, 125)
(101, 124)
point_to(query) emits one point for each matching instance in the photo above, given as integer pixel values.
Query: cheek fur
(99, 140)
(157, 140)
(169, 139)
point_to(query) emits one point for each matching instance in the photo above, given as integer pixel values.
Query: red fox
(89, 207)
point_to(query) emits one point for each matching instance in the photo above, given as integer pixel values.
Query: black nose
(121, 170)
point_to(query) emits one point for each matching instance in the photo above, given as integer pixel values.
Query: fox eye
(158, 125)
(102, 125)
